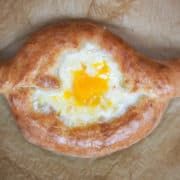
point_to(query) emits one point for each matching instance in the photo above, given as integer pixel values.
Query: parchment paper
(150, 26)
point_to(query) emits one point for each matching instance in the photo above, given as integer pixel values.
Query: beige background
(150, 26)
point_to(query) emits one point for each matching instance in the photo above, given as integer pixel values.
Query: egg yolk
(88, 90)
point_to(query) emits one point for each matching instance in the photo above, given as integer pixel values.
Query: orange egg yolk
(88, 90)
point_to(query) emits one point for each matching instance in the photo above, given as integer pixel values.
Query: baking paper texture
(152, 28)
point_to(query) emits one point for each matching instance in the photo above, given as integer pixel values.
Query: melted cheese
(90, 90)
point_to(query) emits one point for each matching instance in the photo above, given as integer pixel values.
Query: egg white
(67, 111)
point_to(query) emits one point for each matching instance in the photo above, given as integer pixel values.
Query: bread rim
(32, 66)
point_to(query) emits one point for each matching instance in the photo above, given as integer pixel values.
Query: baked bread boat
(77, 89)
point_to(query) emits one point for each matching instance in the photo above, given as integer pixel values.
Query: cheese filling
(90, 90)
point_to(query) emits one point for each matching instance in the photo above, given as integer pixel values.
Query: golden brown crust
(35, 66)
(174, 74)
(94, 140)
